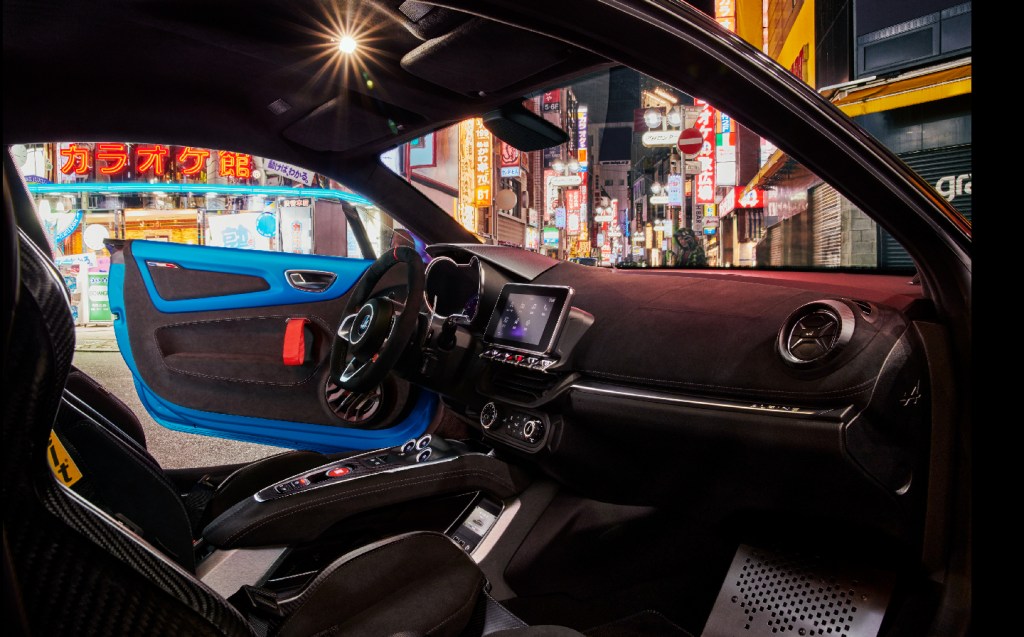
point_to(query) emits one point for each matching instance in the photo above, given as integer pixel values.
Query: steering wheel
(375, 331)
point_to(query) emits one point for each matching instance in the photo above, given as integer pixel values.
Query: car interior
(690, 452)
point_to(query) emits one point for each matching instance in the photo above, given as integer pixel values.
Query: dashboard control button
(337, 472)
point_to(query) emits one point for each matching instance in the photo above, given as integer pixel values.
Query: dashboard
(645, 387)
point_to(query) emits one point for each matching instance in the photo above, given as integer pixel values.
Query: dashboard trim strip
(753, 407)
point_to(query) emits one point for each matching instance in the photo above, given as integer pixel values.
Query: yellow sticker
(60, 461)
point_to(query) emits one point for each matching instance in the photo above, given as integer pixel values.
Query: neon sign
(113, 158)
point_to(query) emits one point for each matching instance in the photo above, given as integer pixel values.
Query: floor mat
(646, 623)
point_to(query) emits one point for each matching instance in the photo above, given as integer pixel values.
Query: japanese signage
(482, 156)
(291, 172)
(660, 138)
(509, 155)
(550, 236)
(115, 158)
(566, 180)
(467, 174)
(99, 302)
(559, 217)
(509, 161)
(674, 186)
(572, 222)
(236, 231)
(754, 198)
(581, 138)
(572, 200)
(705, 178)
(725, 14)
(552, 100)
(799, 65)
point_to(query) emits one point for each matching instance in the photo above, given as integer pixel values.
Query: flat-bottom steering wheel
(375, 331)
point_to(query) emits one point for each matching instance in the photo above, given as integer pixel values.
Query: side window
(86, 193)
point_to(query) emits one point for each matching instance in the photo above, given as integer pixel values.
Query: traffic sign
(690, 142)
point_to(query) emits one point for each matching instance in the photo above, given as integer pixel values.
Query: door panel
(202, 330)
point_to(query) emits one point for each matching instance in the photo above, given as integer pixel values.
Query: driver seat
(72, 568)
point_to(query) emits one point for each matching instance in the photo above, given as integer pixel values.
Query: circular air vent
(353, 407)
(815, 332)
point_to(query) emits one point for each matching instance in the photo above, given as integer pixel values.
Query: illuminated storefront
(86, 193)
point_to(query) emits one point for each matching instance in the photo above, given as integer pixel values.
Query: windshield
(649, 177)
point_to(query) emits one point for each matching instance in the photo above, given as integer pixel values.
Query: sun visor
(351, 121)
(483, 57)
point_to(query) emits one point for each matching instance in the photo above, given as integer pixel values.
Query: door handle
(310, 280)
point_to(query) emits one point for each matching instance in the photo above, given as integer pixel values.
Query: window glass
(87, 192)
(648, 177)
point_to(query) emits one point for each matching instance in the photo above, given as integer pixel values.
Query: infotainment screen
(528, 316)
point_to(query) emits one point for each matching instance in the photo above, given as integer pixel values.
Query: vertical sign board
(467, 184)
(674, 186)
(581, 138)
(99, 301)
(509, 161)
(705, 177)
(482, 168)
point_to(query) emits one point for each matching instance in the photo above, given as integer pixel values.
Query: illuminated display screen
(527, 316)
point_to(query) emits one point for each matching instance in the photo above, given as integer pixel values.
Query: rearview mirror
(520, 128)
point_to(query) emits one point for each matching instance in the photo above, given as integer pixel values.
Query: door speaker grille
(774, 593)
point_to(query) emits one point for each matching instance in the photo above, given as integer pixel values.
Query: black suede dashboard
(673, 388)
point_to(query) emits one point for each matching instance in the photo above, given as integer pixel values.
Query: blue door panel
(269, 266)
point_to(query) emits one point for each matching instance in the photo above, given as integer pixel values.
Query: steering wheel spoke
(374, 331)
(345, 329)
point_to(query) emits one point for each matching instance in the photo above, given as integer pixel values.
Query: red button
(337, 472)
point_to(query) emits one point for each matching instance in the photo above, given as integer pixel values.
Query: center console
(305, 507)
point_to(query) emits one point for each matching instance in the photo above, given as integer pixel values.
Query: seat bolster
(416, 583)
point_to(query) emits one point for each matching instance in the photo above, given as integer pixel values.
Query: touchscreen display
(526, 316)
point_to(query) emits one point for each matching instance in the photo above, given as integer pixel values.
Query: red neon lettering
(152, 157)
(235, 164)
(197, 157)
(116, 156)
(78, 160)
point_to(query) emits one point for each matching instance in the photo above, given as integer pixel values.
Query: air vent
(522, 385)
(865, 307)
(815, 332)
(354, 407)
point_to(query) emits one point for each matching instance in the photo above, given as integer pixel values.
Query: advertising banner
(297, 230)
(674, 186)
(572, 223)
(236, 231)
(706, 175)
(99, 301)
(291, 172)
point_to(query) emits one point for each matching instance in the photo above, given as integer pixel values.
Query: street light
(652, 117)
(656, 188)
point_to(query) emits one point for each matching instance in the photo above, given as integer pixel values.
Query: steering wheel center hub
(371, 326)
